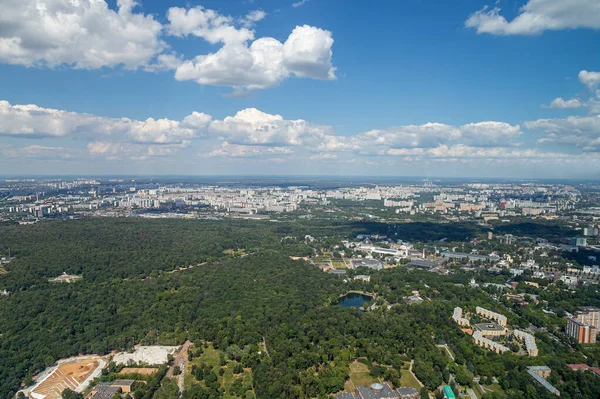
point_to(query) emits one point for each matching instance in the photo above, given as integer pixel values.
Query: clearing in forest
(212, 357)
(359, 376)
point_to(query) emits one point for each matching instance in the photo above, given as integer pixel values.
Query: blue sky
(423, 87)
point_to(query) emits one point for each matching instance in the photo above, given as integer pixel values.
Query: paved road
(180, 360)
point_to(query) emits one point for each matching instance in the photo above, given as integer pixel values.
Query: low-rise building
(530, 345)
(540, 374)
(105, 391)
(491, 329)
(488, 343)
(488, 314)
(457, 317)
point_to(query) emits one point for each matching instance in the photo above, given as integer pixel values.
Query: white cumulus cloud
(263, 63)
(589, 78)
(537, 16)
(579, 131)
(33, 121)
(254, 127)
(84, 34)
(561, 103)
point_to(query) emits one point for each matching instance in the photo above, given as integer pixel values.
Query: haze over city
(314, 87)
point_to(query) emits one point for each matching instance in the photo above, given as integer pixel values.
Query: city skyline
(507, 89)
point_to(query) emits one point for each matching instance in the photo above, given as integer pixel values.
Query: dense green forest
(127, 296)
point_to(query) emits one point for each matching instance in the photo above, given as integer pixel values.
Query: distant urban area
(498, 279)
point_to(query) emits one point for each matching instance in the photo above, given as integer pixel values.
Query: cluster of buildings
(489, 202)
(584, 325)
(485, 333)
(56, 196)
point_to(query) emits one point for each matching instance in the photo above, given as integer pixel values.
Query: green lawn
(494, 388)
(407, 380)
(363, 379)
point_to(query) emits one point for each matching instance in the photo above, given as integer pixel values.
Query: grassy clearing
(234, 252)
(407, 380)
(338, 264)
(211, 356)
(359, 375)
(3, 270)
(494, 388)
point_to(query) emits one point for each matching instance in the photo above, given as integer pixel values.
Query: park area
(212, 357)
(359, 376)
(73, 373)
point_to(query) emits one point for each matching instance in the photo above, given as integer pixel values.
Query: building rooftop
(123, 382)
(106, 392)
(423, 264)
(538, 378)
(407, 391)
(377, 391)
(345, 395)
(448, 393)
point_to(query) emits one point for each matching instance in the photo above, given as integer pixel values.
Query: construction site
(73, 373)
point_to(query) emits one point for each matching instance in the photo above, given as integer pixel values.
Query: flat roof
(106, 392)
(407, 391)
(345, 395)
(423, 264)
(123, 382)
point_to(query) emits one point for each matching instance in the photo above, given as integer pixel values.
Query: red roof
(581, 366)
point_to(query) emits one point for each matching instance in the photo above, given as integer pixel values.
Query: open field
(3, 270)
(152, 355)
(139, 370)
(408, 380)
(359, 376)
(73, 373)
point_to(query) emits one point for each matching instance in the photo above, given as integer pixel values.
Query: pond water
(353, 300)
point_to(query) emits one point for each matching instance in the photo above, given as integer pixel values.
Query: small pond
(354, 300)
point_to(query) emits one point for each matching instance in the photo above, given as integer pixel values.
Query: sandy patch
(152, 355)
